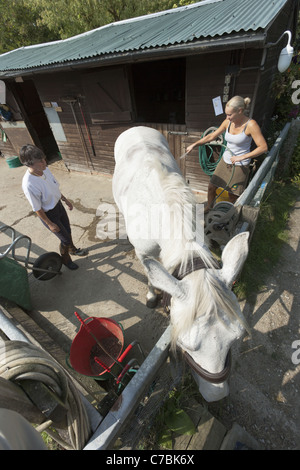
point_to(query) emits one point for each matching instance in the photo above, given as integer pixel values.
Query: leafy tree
(26, 22)
(19, 26)
(78, 16)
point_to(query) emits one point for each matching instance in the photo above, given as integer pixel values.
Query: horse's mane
(177, 195)
(210, 296)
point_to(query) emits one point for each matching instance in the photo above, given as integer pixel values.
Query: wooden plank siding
(6, 148)
(89, 145)
(84, 138)
(205, 81)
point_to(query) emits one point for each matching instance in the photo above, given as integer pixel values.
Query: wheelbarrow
(14, 278)
(97, 351)
(45, 267)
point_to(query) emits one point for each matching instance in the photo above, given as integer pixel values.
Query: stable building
(173, 71)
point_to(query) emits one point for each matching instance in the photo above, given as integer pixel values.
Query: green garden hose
(208, 165)
(205, 160)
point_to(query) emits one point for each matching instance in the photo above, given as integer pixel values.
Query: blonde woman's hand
(190, 148)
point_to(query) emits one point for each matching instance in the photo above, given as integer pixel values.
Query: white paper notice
(218, 105)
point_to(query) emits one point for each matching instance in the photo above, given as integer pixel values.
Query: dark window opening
(159, 91)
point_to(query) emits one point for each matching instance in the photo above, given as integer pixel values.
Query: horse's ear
(160, 278)
(233, 257)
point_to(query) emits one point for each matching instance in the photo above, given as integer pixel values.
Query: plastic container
(222, 195)
(84, 347)
(13, 162)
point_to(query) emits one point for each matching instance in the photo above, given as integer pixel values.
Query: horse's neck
(181, 255)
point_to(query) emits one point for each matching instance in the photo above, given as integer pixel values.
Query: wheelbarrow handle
(125, 370)
(117, 378)
(126, 351)
(96, 359)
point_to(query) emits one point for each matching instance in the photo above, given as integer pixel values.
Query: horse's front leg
(152, 296)
(153, 250)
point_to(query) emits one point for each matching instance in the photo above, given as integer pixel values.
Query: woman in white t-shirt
(233, 168)
(43, 193)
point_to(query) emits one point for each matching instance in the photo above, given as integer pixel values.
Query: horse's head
(205, 315)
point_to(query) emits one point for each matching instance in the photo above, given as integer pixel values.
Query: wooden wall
(89, 145)
(205, 81)
(6, 148)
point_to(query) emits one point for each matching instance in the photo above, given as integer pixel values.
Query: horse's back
(141, 154)
(140, 137)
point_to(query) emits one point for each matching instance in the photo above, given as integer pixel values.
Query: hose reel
(221, 222)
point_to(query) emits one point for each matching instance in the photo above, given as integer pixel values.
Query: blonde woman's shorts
(233, 178)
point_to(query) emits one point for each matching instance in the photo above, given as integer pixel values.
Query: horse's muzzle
(216, 378)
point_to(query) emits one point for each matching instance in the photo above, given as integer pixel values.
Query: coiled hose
(208, 165)
(22, 361)
(205, 159)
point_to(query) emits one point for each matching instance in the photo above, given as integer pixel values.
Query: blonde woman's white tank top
(237, 144)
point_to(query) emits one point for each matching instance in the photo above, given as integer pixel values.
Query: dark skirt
(233, 178)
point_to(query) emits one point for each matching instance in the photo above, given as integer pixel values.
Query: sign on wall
(55, 124)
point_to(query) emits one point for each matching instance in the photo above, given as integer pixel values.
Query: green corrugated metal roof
(206, 19)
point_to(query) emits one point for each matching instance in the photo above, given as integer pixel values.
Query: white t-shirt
(42, 192)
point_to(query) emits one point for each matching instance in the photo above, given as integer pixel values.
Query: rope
(21, 361)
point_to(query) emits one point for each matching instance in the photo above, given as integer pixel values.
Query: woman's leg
(232, 197)
(73, 250)
(59, 216)
(211, 195)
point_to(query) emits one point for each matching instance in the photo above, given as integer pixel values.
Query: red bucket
(85, 348)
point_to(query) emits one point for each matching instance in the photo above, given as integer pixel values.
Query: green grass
(271, 231)
(171, 419)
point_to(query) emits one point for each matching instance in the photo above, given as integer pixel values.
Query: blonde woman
(232, 171)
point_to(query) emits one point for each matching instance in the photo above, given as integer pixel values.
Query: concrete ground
(110, 281)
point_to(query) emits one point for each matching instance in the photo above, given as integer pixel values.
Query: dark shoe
(79, 251)
(71, 265)
(66, 259)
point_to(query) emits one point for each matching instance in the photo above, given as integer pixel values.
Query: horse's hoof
(152, 303)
